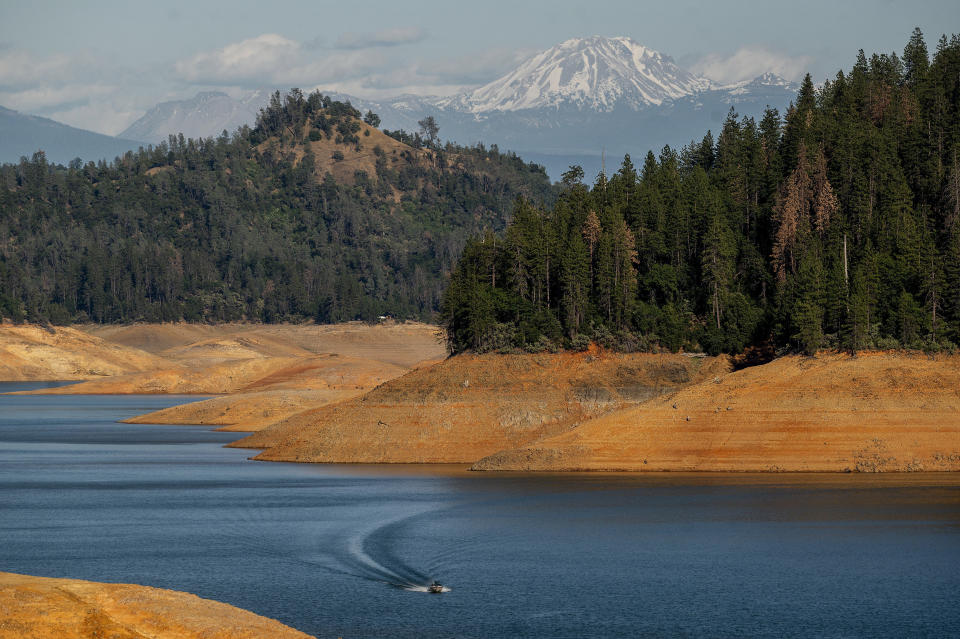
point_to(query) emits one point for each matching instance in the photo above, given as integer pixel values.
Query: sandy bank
(403, 344)
(471, 406)
(216, 359)
(330, 372)
(35, 353)
(269, 372)
(248, 412)
(41, 608)
(872, 412)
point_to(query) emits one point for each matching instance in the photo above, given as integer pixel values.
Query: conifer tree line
(835, 225)
(241, 227)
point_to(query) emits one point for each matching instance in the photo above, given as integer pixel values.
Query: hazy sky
(101, 64)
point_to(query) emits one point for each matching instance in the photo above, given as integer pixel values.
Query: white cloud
(377, 86)
(40, 98)
(384, 38)
(749, 62)
(22, 69)
(432, 77)
(254, 60)
(272, 59)
(479, 68)
(330, 68)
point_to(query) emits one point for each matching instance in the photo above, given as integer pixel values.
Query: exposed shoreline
(878, 412)
(359, 394)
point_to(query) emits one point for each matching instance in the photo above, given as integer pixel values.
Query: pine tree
(717, 261)
(624, 259)
(807, 312)
(856, 331)
(575, 284)
(916, 60)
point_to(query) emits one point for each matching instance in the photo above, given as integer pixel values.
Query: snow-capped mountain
(594, 73)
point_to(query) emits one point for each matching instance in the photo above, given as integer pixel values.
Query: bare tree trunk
(716, 303)
(846, 275)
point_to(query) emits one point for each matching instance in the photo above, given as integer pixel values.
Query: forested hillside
(836, 225)
(313, 213)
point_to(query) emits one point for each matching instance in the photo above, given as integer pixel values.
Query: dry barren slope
(404, 344)
(154, 338)
(41, 608)
(240, 358)
(34, 353)
(232, 347)
(320, 372)
(269, 371)
(248, 412)
(470, 406)
(872, 412)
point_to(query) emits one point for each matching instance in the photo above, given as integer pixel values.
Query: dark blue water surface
(328, 549)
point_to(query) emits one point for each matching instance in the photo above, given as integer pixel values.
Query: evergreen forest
(268, 224)
(833, 225)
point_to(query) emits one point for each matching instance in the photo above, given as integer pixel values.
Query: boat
(435, 588)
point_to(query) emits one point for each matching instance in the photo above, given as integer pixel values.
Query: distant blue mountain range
(22, 135)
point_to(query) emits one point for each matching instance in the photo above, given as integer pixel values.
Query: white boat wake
(386, 567)
(415, 588)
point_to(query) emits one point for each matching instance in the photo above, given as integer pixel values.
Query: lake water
(341, 550)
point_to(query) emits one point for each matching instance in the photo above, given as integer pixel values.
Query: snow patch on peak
(595, 73)
(771, 79)
(766, 81)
